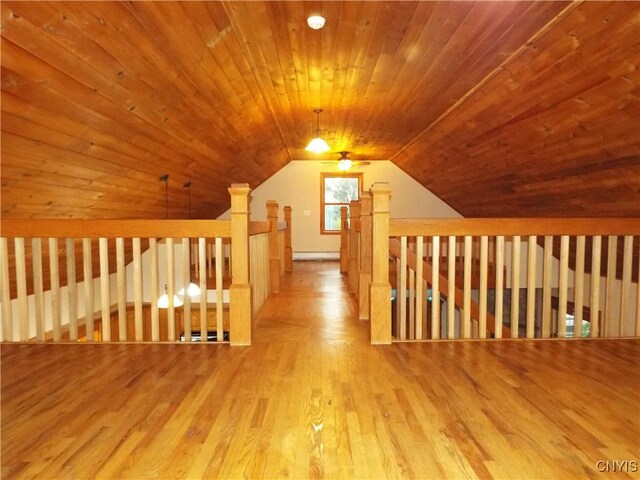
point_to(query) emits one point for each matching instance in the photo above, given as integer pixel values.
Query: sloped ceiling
(499, 108)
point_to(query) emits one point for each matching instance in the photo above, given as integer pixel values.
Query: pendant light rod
(317, 111)
(188, 186)
(165, 178)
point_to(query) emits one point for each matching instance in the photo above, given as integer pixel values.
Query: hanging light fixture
(163, 301)
(192, 289)
(317, 145)
(344, 163)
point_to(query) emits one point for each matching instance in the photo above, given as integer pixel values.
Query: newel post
(288, 251)
(352, 268)
(344, 240)
(274, 250)
(365, 255)
(240, 290)
(380, 287)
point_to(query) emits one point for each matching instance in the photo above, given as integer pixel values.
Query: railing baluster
(482, 321)
(104, 289)
(625, 292)
(209, 259)
(546, 286)
(5, 292)
(219, 290)
(466, 303)
(637, 332)
(451, 290)
(88, 290)
(420, 293)
(531, 286)
(186, 281)
(203, 288)
(563, 285)
(54, 275)
(171, 284)
(137, 291)
(399, 319)
(594, 302)
(609, 317)
(435, 289)
(515, 286)
(401, 296)
(412, 300)
(196, 256)
(155, 293)
(21, 285)
(579, 287)
(499, 305)
(121, 288)
(72, 289)
(38, 288)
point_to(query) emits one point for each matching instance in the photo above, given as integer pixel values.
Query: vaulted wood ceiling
(499, 108)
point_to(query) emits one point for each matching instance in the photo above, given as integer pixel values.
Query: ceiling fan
(344, 163)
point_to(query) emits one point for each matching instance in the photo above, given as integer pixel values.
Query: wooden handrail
(513, 226)
(256, 227)
(112, 228)
(412, 262)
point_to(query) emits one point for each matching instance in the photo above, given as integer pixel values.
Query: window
(336, 191)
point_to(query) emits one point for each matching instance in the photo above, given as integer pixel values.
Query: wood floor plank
(312, 399)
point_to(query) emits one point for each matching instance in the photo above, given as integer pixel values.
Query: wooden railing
(44, 264)
(494, 278)
(270, 247)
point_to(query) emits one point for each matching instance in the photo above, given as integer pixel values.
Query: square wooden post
(352, 268)
(240, 290)
(274, 251)
(365, 255)
(344, 240)
(380, 287)
(288, 251)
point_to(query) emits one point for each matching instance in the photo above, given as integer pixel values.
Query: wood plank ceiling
(499, 108)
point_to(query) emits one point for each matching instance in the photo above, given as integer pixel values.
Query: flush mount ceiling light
(316, 22)
(344, 163)
(317, 145)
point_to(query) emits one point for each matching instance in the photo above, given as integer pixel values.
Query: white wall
(298, 185)
(64, 307)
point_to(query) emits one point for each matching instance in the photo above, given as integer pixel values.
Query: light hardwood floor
(311, 399)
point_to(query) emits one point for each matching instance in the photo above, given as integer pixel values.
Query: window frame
(323, 204)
